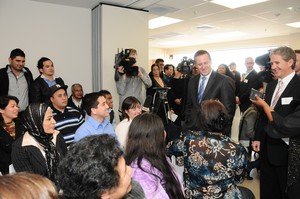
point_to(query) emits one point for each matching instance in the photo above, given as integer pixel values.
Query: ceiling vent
(205, 28)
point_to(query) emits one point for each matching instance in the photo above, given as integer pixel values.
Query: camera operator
(130, 84)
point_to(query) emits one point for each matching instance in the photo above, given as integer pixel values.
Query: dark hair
(154, 65)
(128, 103)
(16, 52)
(227, 71)
(167, 66)
(90, 101)
(202, 52)
(41, 61)
(146, 141)
(213, 116)
(4, 100)
(89, 168)
(104, 92)
(159, 60)
(286, 53)
(297, 51)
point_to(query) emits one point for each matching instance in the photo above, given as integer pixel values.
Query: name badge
(286, 100)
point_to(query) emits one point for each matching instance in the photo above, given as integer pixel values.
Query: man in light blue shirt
(97, 110)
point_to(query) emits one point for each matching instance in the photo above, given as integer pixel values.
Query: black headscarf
(33, 121)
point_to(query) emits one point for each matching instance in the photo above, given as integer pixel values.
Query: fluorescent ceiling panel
(294, 25)
(227, 34)
(236, 3)
(162, 21)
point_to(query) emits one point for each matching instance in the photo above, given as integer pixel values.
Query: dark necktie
(111, 116)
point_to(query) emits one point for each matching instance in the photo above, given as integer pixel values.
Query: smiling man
(274, 152)
(16, 78)
(97, 110)
(208, 85)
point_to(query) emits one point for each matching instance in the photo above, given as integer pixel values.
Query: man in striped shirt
(67, 118)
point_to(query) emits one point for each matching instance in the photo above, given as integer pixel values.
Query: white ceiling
(202, 19)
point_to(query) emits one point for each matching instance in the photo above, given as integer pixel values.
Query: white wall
(40, 29)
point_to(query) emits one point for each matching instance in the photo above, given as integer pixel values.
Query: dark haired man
(97, 110)
(16, 78)
(68, 119)
(94, 167)
(109, 102)
(40, 88)
(168, 74)
(208, 85)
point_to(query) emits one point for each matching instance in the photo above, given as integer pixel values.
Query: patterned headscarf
(33, 121)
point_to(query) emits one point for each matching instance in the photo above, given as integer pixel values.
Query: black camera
(162, 92)
(186, 66)
(264, 60)
(122, 59)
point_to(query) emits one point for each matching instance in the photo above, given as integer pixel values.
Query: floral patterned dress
(213, 164)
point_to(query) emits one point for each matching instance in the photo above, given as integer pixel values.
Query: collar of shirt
(286, 80)
(96, 124)
(78, 104)
(10, 71)
(207, 78)
(248, 72)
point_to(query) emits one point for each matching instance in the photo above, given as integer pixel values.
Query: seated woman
(40, 149)
(10, 129)
(131, 107)
(146, 154)
(213, 163)
(27, 186)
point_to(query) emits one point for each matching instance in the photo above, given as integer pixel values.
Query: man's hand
(256, 146)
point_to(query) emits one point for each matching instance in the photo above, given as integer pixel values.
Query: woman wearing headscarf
(40, 149)
(10, 129)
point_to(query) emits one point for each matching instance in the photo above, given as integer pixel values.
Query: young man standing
(16, 78)
(97, 110)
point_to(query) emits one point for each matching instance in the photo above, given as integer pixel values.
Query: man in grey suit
(274, 151)
(208, 85)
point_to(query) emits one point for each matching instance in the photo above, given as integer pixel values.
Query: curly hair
(89, 168)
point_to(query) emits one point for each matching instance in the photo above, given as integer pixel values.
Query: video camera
(264, 60)
(186, 66)
(122, 59)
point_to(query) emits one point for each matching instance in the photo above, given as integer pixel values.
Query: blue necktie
(201, 89)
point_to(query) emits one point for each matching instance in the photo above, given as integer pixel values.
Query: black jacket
(5, 81)
(6, 142)
(40, 91)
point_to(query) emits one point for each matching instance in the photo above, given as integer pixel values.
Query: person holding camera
(131, 78)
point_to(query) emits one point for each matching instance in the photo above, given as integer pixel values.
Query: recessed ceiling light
(162, 21)
(227, 34)
(236, 3)
(294, 25)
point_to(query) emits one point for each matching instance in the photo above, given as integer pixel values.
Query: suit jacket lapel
(210, 83)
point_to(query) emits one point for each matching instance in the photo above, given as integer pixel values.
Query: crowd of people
(73, 147)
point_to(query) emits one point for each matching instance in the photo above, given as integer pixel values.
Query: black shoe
(248, 177)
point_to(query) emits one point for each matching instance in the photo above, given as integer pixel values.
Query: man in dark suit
(249, 80)
(208, 85)
(274, 151)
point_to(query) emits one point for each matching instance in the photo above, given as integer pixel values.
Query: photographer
(131, 78)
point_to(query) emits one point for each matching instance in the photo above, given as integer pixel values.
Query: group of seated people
(98, 165)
